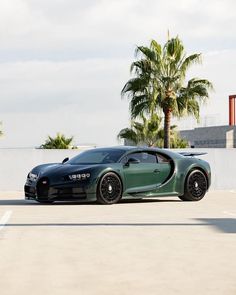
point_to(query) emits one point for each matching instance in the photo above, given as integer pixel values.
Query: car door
(140, 177)
(164, 167)
(147, 174)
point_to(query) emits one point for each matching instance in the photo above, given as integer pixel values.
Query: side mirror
(132, 161)
(65, 160)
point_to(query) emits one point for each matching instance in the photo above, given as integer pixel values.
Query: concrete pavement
(158, 246)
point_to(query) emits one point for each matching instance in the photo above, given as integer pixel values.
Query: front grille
(71, 193)
(43, 187)
(29, 189)
(65, 191)
(30, 192)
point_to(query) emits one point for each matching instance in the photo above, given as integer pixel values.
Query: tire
(195, 186)
(109, 189)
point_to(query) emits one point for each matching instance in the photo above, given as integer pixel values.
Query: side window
(162, 159)
(144, 157)
(124, 160)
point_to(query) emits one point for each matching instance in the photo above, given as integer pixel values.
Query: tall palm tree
(59, 142)
(158, 83)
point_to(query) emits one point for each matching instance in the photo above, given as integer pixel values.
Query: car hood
(61, 169)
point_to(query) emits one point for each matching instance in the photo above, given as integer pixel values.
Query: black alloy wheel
(195, 186)
(109, 189)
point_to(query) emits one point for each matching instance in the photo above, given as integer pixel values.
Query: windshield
(97, 156)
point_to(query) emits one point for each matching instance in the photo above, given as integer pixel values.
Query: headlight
(32, 176)
(79, 176)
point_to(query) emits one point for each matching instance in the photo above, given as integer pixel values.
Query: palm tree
(141, 89)
(158, 83)
(149, 132)
(1, 133)
(59, 142)
(175, 139)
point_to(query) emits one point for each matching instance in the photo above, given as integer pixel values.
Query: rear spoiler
(190, 154)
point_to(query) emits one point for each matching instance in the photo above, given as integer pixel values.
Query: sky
(63, 63)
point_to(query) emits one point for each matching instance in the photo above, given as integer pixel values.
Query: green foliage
(158, 83)
(175, 139)
(1, 132)
(59, 142)
(146, 132)
(149, 132)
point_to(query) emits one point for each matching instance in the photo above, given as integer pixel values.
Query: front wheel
(109, 189)
(195, 186)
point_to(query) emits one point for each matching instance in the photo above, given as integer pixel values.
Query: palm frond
(129, 134)
(134, 85)
(156, 47)
(145, 51)
(139, 109)
(141, 67)
(174, 49)
(188, 62)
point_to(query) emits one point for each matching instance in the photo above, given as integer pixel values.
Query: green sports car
(107, 175)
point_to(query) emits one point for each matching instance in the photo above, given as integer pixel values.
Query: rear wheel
(195, 186)
(109, 189)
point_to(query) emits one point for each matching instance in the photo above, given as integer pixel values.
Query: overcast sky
(63, 63)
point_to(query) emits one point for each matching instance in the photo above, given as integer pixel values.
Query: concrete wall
(16, 163)
(211, 137)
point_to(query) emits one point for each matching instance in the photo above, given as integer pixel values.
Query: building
(211, 137)
(215, 136)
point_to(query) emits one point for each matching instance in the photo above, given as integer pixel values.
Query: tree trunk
(167, 113)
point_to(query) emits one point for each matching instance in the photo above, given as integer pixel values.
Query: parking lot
(158, 246)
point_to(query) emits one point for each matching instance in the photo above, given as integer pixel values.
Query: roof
(140, 148)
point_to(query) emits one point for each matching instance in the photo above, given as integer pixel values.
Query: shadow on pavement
(225, 225)
(165, 200)
(17, 202)
(98, 224)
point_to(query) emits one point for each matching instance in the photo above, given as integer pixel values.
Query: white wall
(16, 163)
(223, 167)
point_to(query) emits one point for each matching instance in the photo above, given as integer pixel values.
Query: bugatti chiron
(107, 175)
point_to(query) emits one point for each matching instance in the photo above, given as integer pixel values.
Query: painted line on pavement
(4, 219)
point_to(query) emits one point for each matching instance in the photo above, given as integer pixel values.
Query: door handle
(156, 171)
